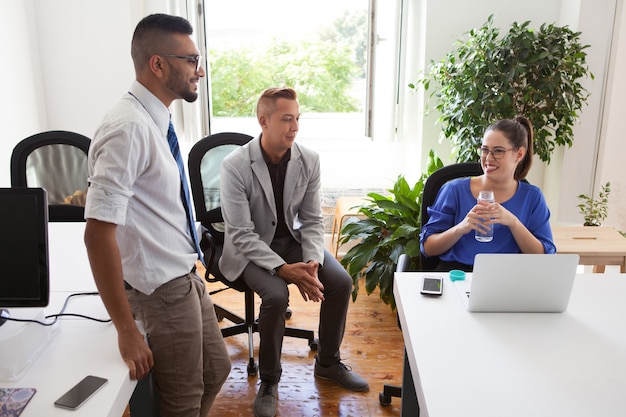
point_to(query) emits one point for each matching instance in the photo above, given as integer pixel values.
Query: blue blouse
(455, 200)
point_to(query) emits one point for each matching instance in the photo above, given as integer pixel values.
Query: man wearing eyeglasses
(140, 233)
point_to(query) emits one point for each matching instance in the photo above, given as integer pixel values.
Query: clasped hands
(304, 276)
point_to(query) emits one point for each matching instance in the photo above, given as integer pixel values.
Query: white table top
(514, 364)
(81, 347)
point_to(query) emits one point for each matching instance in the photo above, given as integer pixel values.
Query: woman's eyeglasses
(497, 153)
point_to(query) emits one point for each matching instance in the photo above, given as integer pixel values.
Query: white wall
(65, 62)
(85, 59)
(22, 110)
(613, 149)
(580, 168)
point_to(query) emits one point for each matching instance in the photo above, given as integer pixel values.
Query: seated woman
(520, 215)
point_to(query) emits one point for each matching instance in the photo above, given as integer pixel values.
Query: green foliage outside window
(321, 69)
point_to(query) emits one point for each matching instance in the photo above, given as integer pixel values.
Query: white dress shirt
(135, 184)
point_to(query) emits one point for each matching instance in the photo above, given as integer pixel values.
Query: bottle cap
(457, 275)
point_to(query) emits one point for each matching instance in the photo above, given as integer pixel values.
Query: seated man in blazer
(275, 236)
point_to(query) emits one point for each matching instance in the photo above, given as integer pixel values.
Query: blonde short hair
(267, 102)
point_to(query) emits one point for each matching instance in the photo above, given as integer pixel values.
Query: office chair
(434, 182)
(204, 162)
(56, 161)
(404, 262)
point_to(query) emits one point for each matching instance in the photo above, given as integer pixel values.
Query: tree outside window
(323, 56)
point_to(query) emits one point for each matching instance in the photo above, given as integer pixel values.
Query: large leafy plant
(488, 77)
(390, 228)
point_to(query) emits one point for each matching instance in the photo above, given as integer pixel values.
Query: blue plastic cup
(457, 275)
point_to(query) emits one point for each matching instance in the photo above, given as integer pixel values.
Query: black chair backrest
(434, 182)
(205, 160)
(56, 161)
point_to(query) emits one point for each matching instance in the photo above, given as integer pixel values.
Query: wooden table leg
(599, 269)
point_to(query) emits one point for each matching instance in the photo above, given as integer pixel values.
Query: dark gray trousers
(275, 299)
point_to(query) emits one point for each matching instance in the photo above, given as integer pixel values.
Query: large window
(326, 49)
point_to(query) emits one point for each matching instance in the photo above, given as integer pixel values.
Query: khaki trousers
(191, 362)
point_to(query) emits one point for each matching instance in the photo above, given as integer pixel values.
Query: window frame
(381, 98)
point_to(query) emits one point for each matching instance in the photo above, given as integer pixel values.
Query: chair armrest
(208, 247)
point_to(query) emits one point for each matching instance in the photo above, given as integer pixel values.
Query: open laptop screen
(522, 282)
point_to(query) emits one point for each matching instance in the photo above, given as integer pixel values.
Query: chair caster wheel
(288, 314)
(252, 368)
(313, 344)
(384, 399)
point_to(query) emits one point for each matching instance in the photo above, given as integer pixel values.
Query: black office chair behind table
(431, 188)
(204, 162)
(434, 182)
(56, 161)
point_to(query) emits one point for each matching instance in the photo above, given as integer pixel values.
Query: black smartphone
(80, 392)
(432, 285)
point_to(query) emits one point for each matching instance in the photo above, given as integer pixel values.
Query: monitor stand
(21, 343)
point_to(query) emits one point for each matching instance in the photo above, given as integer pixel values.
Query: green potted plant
(390, 228)
(595, 210)
(488, 77)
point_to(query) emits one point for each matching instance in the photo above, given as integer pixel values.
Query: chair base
(389, 391)
(395, 390)
(249, 325)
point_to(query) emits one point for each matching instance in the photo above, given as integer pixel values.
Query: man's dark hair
(153, 35)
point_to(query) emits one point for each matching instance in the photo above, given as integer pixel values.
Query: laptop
(522, 283)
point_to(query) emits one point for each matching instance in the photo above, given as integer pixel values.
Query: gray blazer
(249, 210)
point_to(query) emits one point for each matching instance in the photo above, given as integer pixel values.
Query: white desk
(512, 364)
(81, 347)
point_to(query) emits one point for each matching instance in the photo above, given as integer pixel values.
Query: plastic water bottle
(487, 236)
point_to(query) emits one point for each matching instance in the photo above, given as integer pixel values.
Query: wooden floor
(372, 346)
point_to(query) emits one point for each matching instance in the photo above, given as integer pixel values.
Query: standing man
(275, 236)
(140, 235)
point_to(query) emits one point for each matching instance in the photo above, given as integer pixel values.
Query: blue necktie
(172, 140)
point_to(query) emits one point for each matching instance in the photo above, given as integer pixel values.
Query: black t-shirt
(277, 174)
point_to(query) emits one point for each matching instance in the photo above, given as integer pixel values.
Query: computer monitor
(24, 273)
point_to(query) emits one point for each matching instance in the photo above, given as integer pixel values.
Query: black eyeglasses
(196, 60)
(497, 153)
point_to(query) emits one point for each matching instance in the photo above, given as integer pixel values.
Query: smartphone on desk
(432, 285)
(81, 392)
